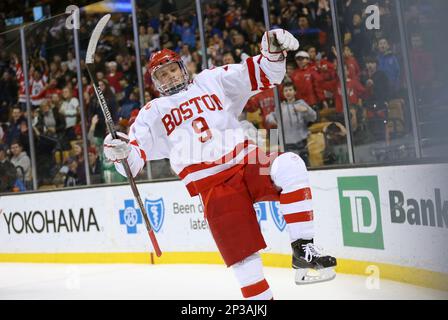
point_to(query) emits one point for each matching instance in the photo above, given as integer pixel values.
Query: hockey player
(195, 125)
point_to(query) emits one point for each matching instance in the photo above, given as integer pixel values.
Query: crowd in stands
(311, 95)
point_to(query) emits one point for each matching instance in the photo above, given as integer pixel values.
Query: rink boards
(390, 222)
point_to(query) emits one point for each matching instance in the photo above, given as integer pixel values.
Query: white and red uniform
(37, 91)
(198, 126)
(198, 130)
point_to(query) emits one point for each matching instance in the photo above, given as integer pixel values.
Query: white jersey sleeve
(255, 74)
(141, 139)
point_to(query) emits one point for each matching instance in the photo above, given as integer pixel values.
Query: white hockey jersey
(197, 129)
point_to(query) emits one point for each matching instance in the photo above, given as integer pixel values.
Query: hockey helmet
(162, 58)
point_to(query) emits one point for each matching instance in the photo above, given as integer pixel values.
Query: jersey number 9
(201, 127)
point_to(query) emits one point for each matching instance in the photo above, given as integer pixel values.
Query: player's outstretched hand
(117, 149)
(275, 44)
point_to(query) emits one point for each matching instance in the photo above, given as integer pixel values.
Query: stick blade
(93, 42)
(155, 244)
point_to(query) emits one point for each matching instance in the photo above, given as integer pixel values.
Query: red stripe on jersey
(264, 80)
(255, 289)
(142, 153)
(198, 186)
(251, 68)
(299, 217)
(224, 159)
(296, 196)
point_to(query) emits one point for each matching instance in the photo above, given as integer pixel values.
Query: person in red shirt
(356, 92)
(325, 69)
(353, 69)
(307, 81)
(21, 82)
(114, 77)
(264, 101)
(50, 89)
(320, 63)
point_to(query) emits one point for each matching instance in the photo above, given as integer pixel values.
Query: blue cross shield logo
(276, 216)
(260, 210)
(156, 213)
(130, 216)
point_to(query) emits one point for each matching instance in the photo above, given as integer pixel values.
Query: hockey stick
(110, 124)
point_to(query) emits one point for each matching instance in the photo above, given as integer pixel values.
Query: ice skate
(311, 265)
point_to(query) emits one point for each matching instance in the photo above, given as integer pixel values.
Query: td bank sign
(359, 199)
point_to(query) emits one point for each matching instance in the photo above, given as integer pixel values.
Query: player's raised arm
(260, 72)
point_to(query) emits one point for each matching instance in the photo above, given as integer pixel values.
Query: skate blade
(310, 276)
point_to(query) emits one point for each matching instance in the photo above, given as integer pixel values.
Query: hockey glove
(117, 149)
(276, 43)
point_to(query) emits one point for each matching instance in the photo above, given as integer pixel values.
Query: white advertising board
(396, 215)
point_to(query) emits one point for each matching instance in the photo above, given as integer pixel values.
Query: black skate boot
(311, 265)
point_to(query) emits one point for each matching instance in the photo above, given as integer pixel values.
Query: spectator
(8, 94)
(129, 105)
(186, 31)
(355, 94)
(13, 131)
(50, 129)
(308, 35)
(185, 54)
(325, 69)
(50, 122)
(228, 58)
(144, 40)
(154, 41)
(306, 80)
(67, 75)
(21, 83)
(240, 48)
(24, 138)
(38, 84)
(71, 177)
(378, 95)
(93, 140)
(78, 156)
(55, 101)
(388, 63)
(71, 61)
(21, 162)
(377, 84)
(70, 110)
(8, 171)
(353, 69)
(296, 116)
(50, 89)
(360, 39)
(94, 108)
(94, 166)
(113, 77)
(335, 144)
(264, 102)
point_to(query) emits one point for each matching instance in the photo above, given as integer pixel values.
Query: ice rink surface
(171, 282)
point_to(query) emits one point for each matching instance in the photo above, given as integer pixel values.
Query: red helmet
(162, 58)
